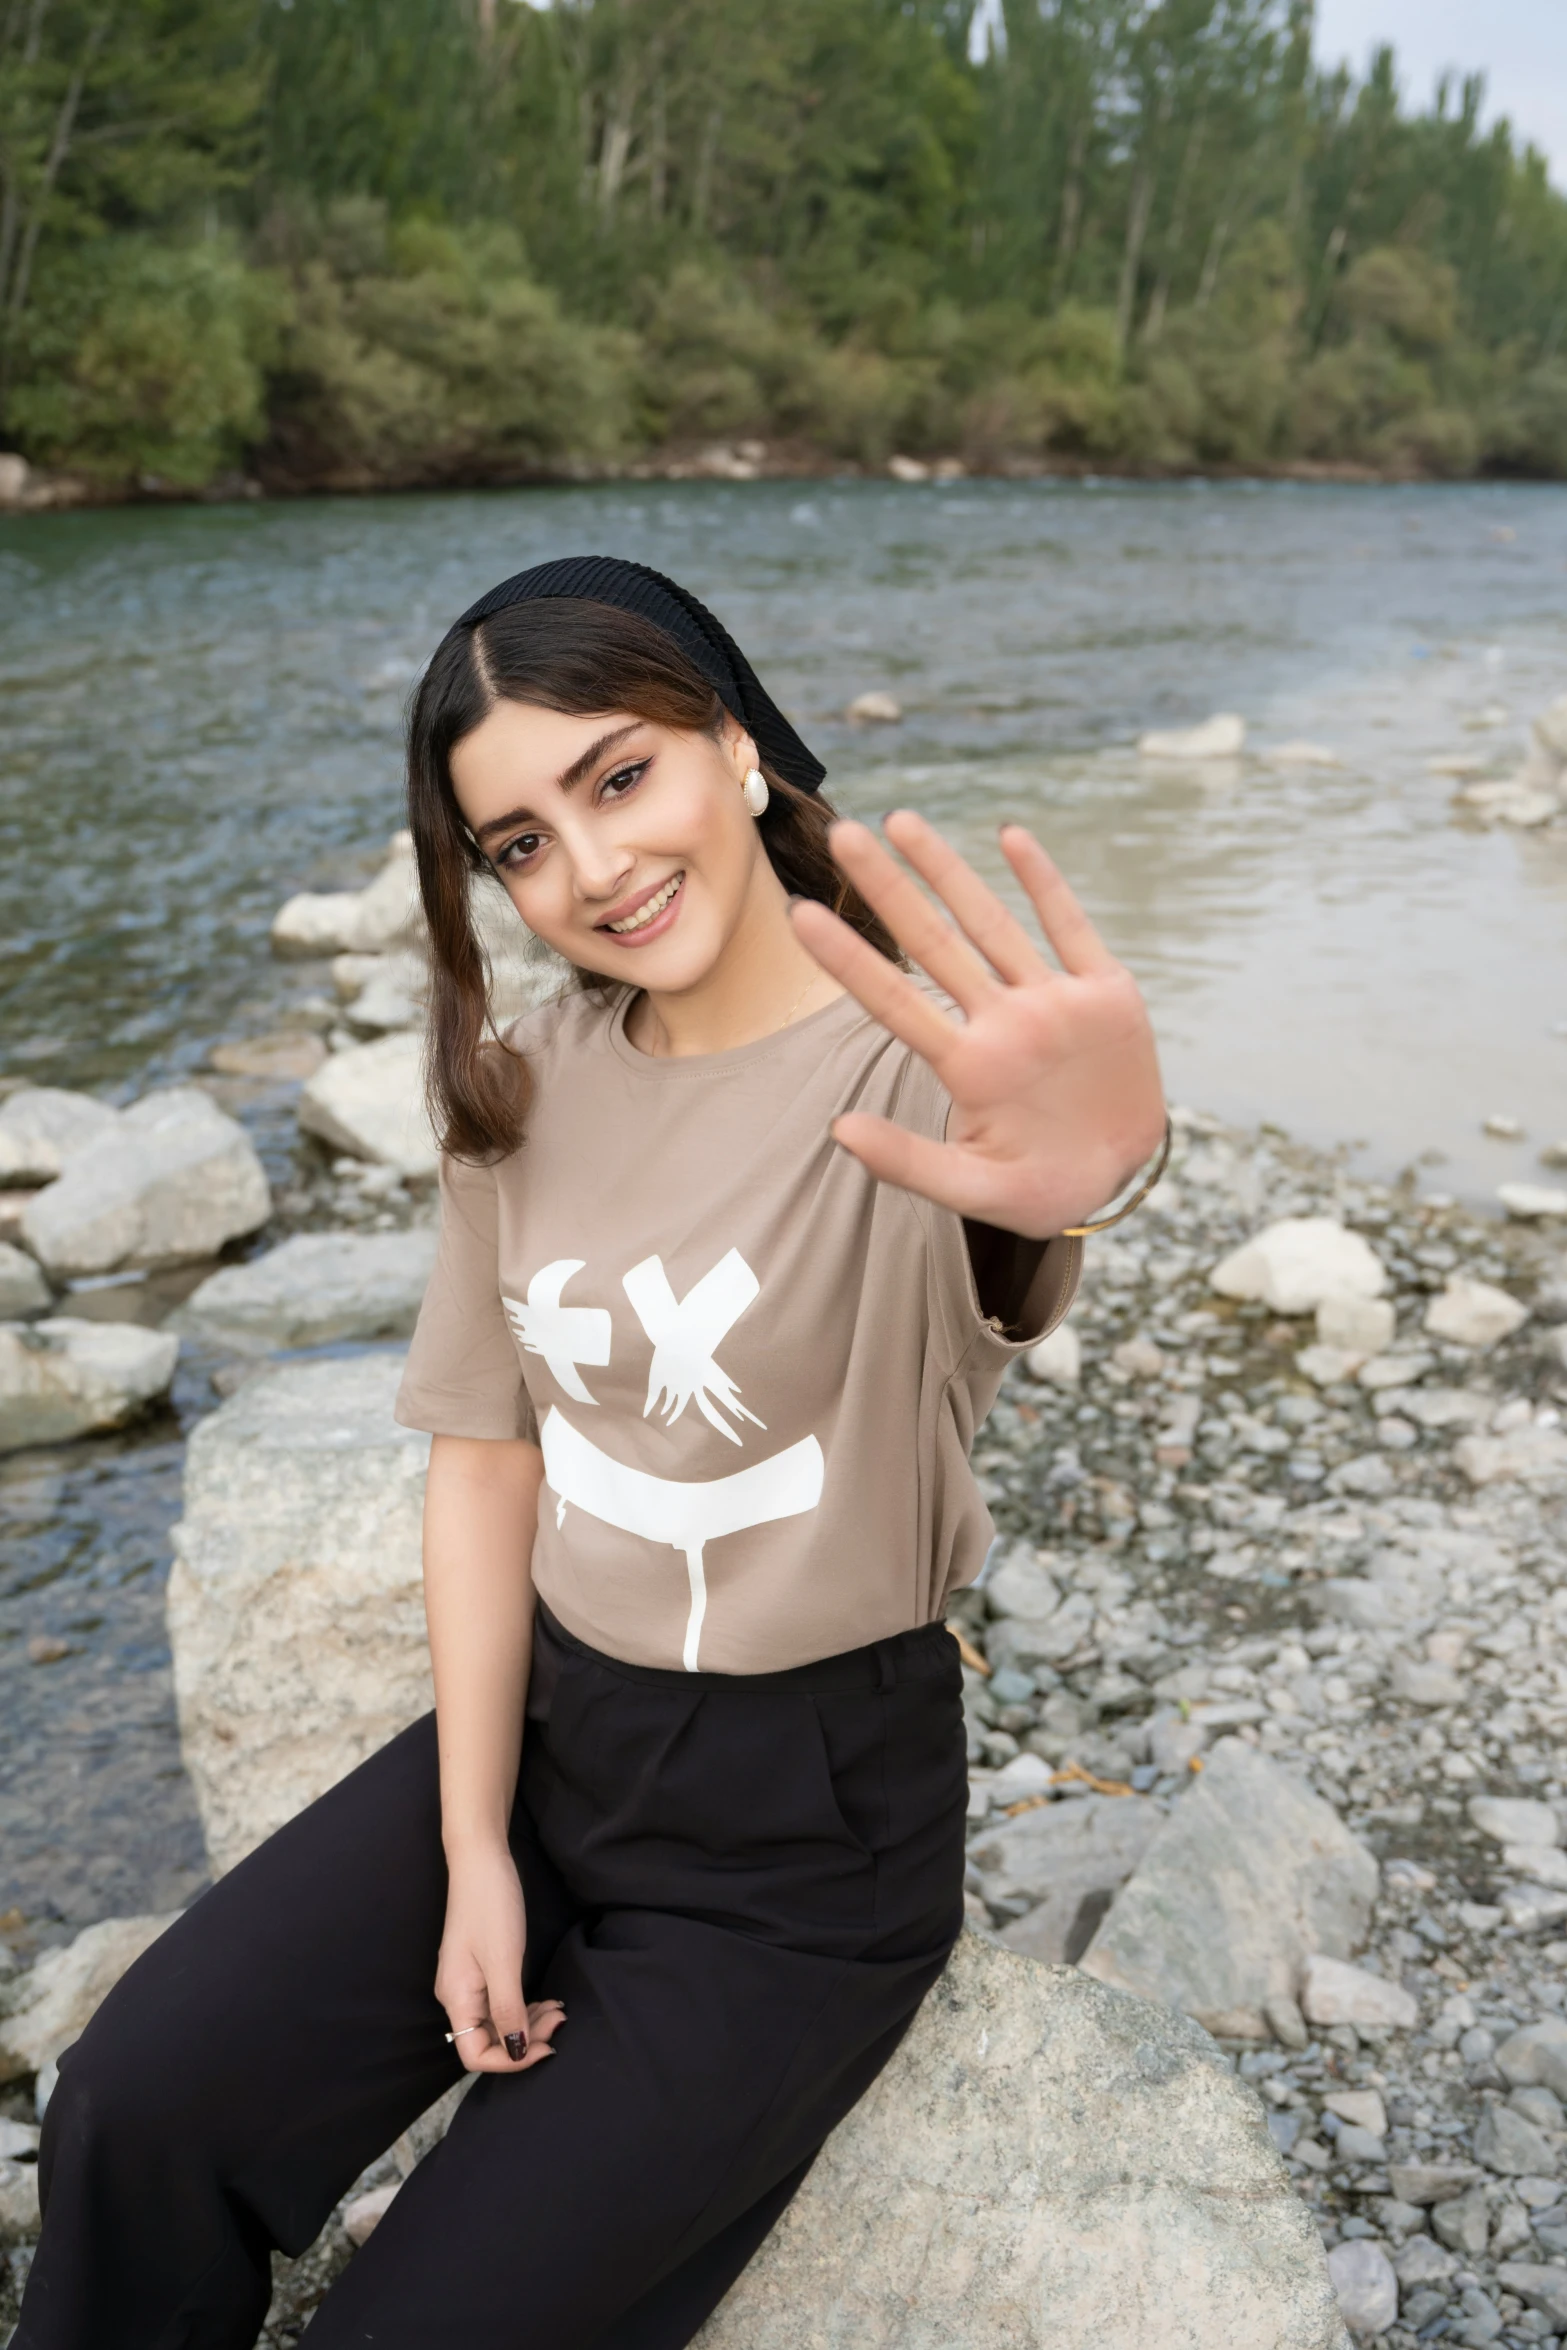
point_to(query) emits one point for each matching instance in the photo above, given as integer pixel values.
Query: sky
(1519, 45)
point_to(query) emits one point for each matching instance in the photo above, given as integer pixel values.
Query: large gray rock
(23, 1289)
(355, 921)
(315, 1289)
(295, 1611)
(41, 1126)
(1068, 1858)
(369, 1101)
(61, 1378)
(175, 1180)
(1045, 2164)
(1250, 1873)
(51, 2003)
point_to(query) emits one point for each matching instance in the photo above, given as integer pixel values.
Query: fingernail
(516, 2046)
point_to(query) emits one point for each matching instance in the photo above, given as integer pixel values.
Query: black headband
(632, 587)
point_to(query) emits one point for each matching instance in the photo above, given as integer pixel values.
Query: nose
(600, 867)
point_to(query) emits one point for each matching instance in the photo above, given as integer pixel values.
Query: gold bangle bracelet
(1103, 1223)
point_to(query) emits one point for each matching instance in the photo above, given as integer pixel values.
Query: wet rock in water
(20, 2218)
(51, 2003)
(286, 1058)
(1058, 1358)
(1056, 2164)
(176, 1182)
(1249, 1875)
(317, 1288)
(1220, 737)
(1367, 2288)
(1531, 1202)
(369, 1101)
(1474, 1313)
(1302, 754)
(41, 1126)
(294, 1604)
(1299, 1262)
(23, 1289)
(355, 921)
(61, 1378)
(1515, 1819)
(1359, 1325)
(1334, 1992)
(1067, 1859)
(874, 709)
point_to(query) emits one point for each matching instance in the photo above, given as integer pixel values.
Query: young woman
(737, 1241)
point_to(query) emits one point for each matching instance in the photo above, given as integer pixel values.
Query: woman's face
(625, 846)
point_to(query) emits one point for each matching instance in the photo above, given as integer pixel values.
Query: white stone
(365, 2213)
(874, 709)
(1140, 1358)
(23, 1289)
(1367, 2287)
(178, 1180)
(1512, 802)
(1044, 2165)
(317, 1288)
(1544, 1863)
(1221, 737)
(1250, 1873)
(1531, 1906)
(369, 1102)
(18, 2140)
(357, 921)
(41, 1126)
(1333, 1992)
(61, 1378)
(1023, 1586)
(14, 476)
(1515, 1819)
(44, 2009)
(1302, 754)
(1057, 1359)
(1473, 1313)
(1550, 731)
(1361, 1325)
(1363, 2107)
(20, 2219)
(1528, 1456)
(294, 1604)
(1325, 1366)
(1295, 1264)
(385, 1003)
(1025, 1774)
(1536, 2056)
(1531, 1202)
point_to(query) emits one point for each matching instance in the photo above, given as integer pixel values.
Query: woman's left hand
(1054, 1076)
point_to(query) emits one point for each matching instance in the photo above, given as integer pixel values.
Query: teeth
(645, 914)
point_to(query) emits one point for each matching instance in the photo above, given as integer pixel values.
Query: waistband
(922, 1654)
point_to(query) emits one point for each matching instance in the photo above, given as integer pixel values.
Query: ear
(739, 749)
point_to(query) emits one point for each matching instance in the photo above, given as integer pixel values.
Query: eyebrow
(567, 779)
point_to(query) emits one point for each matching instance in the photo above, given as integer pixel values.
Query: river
(200, 711)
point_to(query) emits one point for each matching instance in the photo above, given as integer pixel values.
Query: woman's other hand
(1053, 1073)
(478, 1978)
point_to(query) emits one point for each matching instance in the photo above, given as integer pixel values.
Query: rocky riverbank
(1267, 1676)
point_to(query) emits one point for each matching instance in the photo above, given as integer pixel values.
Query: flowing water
(200, 712)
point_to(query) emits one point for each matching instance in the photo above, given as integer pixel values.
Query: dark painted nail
(516, 2046)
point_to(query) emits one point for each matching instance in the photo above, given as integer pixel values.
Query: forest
(355, 244)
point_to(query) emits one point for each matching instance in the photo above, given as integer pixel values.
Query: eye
(518, 854)
(622, 780)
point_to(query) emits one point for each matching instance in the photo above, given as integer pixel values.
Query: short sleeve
(463, 1376)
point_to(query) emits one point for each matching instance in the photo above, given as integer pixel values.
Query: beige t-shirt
(755, 1373)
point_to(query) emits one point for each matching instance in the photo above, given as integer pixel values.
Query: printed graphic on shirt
(687, 1514)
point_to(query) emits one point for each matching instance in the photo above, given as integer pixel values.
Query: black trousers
(740, 1888)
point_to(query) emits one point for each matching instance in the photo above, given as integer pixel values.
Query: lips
(653, 909)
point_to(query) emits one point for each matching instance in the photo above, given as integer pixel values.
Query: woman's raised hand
(1053, 1073)
(478, 1977)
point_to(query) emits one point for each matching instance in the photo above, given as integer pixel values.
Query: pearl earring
(755, 791)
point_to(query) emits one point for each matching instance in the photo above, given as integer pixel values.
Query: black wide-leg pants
(739, 1886)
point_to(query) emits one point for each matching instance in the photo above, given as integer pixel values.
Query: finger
(1062, 919)
(914, 1162)
(887, 993)
(921, 929)
(544, 2020)
(998, 934)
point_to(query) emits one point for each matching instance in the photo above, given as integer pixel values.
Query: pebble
(1503, 1128)
(1515, 1820)
(1366, 2286)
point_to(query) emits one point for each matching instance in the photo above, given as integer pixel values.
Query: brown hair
(583, 658)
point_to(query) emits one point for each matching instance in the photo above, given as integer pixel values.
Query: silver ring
(467, 2028)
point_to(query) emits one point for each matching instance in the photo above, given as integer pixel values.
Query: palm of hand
(1053, 1073)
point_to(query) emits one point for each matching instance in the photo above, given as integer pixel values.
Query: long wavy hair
(566, 654)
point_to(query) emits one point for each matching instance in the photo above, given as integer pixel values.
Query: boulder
(51, 2003)
(61, 1378)
(1045, 2163)
(23, 1289)
(1248, 1877)
(1473, 1313)
(176, 1180)
(1296, 1264)
(369, 1102)
(41, 1126)
(294, 1603)
(355, 921)
(1220, 737)
(316, 1289)
(1069, 1859)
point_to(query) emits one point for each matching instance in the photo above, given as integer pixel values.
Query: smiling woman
(720, 1302)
